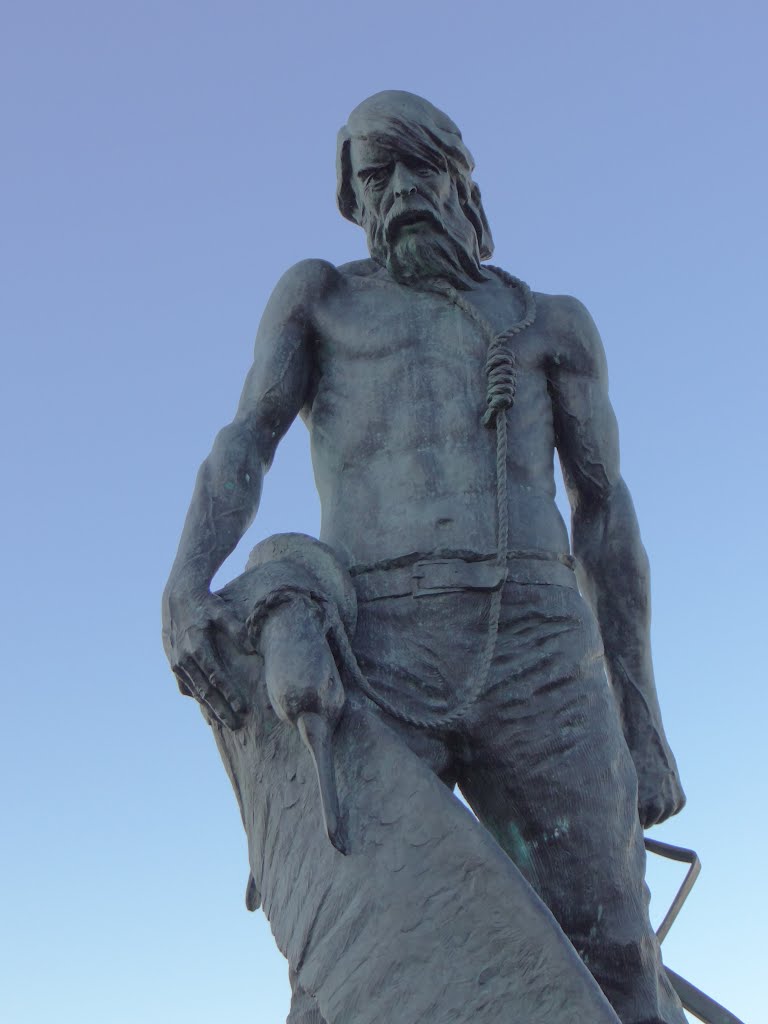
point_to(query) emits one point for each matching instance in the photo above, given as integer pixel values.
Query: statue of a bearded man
(443, 632)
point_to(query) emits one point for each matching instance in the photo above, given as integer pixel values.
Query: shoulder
(300, 291)
(359, 268)
(296, 300)
(575, 341)
(305, 282)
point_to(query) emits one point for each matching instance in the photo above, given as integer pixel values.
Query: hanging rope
(500, 370)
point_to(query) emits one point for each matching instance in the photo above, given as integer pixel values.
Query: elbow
(606, 535)
(239, 454)
(600, 500)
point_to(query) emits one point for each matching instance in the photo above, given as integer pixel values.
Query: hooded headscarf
(409, 124)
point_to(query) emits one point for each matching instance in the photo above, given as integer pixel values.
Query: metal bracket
(693, 999)
(684, 856)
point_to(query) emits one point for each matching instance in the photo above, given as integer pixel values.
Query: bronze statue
(445, 633)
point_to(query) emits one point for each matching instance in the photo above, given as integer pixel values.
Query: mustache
(403, 215)
(443, 243)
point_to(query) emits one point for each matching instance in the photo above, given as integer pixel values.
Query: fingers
(650, 815)
(221, 710)
(210, 663)
(197, 663)
(657, 809)
(201, 676)
(204, 691)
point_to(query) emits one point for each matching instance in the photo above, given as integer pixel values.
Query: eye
(375, 177)
(423, 168)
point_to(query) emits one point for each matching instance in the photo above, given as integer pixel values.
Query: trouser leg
(548, 772)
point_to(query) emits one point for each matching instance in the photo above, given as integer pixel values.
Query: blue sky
(163, 164)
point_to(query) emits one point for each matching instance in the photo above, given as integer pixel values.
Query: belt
(430, 576)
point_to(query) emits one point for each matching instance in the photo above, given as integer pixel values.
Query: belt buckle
(451, 575)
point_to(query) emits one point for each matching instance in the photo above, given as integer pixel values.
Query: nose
(403, 182)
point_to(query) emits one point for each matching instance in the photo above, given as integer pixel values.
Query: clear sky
(163, 163)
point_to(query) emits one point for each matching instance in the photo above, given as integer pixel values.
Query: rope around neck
(500, 369)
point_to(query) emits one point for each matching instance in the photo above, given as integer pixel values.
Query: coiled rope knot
(502, 382)
(500, 366)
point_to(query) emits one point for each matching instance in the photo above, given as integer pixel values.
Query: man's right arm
(228, 487)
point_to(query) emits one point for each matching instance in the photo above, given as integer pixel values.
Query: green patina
(510, 839)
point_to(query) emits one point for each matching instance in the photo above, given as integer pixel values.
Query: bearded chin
(416, 257)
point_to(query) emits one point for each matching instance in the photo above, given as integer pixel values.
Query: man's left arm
(612, 565)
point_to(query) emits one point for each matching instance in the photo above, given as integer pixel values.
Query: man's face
(411, 213)
(401, 191)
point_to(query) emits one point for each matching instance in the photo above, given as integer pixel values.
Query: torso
(402, 461)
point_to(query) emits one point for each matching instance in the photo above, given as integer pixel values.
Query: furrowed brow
(365, 171)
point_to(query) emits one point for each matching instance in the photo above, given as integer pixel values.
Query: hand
(659, 796)
(190, 626)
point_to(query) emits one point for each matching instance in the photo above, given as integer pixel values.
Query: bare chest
(384, 345)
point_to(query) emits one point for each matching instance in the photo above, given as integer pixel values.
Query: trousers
(538, 754)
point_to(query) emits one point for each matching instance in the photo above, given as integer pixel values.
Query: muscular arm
(611, 562)
(228, 486)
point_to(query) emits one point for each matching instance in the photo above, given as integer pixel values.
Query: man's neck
(459, 280)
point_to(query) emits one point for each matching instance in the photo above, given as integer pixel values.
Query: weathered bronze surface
(445, 633)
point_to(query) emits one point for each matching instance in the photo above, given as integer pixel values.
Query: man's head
(405, 175)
